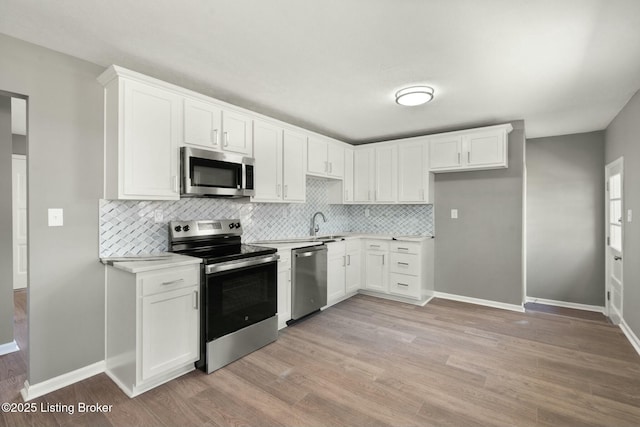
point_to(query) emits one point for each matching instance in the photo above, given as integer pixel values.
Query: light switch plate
(56, 217)
(454, 213)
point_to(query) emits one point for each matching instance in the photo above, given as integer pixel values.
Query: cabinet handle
(458, 157)
(278, 190)
(402, 284)
(195, 299)
(226, 139)
(422, 195)
(368, 194)
(330, 167)
(174, 183)
(375, 195)
(289, 274)
(374, 246)
(348, 259)
(403, 263)
(403, 249)
(382, 259)
(286, 187)
(326, 166)
(346, 194)
(468, 156)
(173, 282)
(214, 136)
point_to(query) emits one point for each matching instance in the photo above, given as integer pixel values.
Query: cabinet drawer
(169, 279)
(404, 264)
(376, 245)
(407, 286)
(405, 247)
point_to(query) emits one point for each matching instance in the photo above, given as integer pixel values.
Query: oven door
(238, 294)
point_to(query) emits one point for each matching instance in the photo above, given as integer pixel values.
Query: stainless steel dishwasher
(309, 286)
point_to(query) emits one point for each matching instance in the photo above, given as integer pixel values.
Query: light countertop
(139, 264)
(300, 242)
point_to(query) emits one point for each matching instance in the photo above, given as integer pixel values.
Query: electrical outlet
(367, 213)
(454, 213)
(629, 215)
(158, 215)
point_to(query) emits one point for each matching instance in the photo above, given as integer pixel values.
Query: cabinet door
(317, 163)
(284, 297)
(362, 175)
(412, 172)
(236, 136)
(353, 274)
(445, 152)
(294, 177)
(170, 331)
(202, 123)
(486, 149)
(267, 151)
(335, 157)
(336, 278)
(386, 174)
(348, 176)
(149, 168)
(376, 271)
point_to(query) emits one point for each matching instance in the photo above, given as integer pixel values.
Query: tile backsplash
(129, 227)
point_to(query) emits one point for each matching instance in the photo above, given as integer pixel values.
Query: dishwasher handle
(309, 251)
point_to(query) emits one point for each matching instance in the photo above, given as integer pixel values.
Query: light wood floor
(373, 362)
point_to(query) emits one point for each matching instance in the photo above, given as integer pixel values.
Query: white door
(615, 225)
(386, 174)
(293, 173)
(376, 271)
(348, 175)
(317, 163)
(445, 152)
(202, 123)
(485, 149)
(363, 175)
(336, 277)
(236, 130)
(335, 156)
(353, 273)
(412, 172)
(19, 200)
(267, 151)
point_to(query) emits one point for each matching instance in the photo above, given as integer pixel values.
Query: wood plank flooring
(373, 362)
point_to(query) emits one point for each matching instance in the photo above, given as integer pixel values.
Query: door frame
(619, 162)
(13, 223)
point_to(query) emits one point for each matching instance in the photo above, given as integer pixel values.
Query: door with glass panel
(615, 225)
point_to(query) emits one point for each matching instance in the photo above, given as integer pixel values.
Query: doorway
(614, 212)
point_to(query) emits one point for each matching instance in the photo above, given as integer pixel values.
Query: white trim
(396, 298)
(36, 390)
(478, 301)
(633, 339)
(9, 347)
(565, 304)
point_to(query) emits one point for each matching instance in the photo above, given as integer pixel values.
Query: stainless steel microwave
(208, 173)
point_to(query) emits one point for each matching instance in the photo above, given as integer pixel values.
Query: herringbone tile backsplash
(128, 227)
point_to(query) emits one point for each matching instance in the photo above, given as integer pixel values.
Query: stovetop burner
(212, 240)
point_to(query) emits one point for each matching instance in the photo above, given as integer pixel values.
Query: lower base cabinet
(152, 326)
(284, 287)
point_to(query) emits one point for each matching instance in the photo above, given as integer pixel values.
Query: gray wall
(622, 139)
(479, 254)
(66, 281)
(6, 227)
(565, 218)
(19, 144)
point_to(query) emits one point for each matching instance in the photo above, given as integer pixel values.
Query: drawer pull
(374, 246)
(403, 249)
(173, 282)
(403, 263)
(402, 284)
(195, 300)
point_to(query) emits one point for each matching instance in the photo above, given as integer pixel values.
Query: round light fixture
(414, 95)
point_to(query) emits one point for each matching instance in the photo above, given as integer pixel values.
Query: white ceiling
(564, 66)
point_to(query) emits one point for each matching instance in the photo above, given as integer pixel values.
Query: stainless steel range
(239, 289)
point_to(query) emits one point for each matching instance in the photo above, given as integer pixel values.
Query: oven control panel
(203, 228)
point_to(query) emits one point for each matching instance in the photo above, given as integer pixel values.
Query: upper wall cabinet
(208, 125)
(415, 183)
(280, 156)
(142, 132)
(325, 158)
(476, 149)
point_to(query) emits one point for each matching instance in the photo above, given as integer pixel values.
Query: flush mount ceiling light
(414, 95)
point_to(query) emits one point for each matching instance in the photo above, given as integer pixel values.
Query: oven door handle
(232, 265)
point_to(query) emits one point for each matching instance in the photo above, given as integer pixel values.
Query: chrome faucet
(314, 226)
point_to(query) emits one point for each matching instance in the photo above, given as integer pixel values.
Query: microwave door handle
(243, 177)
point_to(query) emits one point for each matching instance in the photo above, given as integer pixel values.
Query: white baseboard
(31, 391)
(396, 298)
(9, 347)
(633, 339)
(478, 301)
(585, 307)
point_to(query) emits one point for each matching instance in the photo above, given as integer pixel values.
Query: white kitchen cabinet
(386, 173)
(415, 182)
(142, 133)
(202, 124)
(353, 274)
(475, 149)
(279, 164)
(284, 287)
(152, 325)
(236, 132)
(325, 158)
(336, 272)
(341, 191)
(363, 174)
(376, 268)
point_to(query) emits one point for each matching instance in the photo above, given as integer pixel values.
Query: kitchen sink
(324, 239)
